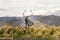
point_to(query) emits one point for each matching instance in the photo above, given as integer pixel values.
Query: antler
(24, 12)
(31, 12)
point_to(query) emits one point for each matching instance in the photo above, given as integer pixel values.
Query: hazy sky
(32, 4)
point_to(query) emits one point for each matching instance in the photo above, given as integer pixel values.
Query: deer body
(27, 21)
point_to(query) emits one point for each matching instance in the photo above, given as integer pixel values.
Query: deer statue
(27, 21)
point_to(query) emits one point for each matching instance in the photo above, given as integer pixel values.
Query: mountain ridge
(50, 20)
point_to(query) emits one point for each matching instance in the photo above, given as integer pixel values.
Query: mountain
(50, 19)
(13, 20)
(36, 19)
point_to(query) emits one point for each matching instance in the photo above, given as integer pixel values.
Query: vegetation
(41, 32)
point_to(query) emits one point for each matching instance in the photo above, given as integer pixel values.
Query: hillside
(36, 19)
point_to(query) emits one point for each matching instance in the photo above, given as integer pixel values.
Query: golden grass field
(41, 32)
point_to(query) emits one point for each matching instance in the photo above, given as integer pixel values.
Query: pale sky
(15, 6)
(30, 3)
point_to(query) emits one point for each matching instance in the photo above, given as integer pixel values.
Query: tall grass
(41, 32)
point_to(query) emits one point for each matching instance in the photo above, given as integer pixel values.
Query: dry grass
(41, 32)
